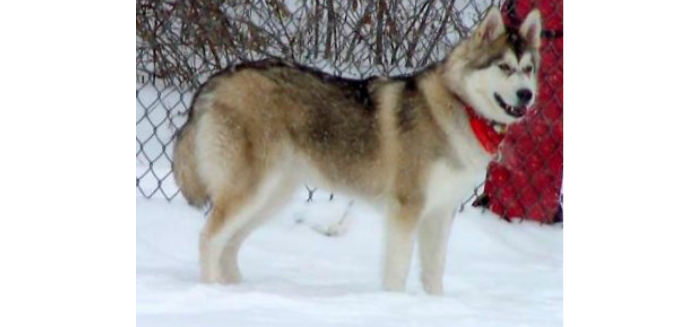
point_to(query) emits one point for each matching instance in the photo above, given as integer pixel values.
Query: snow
(498, 273)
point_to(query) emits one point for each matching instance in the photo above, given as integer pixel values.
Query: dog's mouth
(510, 110)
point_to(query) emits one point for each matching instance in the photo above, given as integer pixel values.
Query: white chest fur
(448, 186)
(450, 183)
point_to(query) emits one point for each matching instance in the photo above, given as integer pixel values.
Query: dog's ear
(530, 30)
(491, 27)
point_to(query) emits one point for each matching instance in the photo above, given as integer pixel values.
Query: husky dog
(409, 144)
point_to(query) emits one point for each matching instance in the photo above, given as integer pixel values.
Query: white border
(631, 163)
(67, 231)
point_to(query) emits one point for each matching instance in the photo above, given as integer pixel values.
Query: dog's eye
(505, 67)
(528, 69)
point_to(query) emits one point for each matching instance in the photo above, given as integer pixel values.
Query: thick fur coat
(258, 130)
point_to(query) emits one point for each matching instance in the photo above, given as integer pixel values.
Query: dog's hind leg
(433, 238)
(400, 240)
(233, 218)
(225, 219)
(274, 193)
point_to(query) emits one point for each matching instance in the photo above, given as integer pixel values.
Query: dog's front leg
(433, 238)
(400, 239)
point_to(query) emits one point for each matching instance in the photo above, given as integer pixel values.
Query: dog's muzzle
(513, 111)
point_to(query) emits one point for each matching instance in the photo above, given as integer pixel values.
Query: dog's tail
(185, 165)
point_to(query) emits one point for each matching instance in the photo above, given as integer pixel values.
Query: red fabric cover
(526, 182)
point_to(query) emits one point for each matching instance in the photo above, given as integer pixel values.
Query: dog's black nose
(524, 95)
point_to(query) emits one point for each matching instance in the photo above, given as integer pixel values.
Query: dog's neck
(488, 133)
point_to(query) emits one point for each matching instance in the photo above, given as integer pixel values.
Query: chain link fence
(179, 44)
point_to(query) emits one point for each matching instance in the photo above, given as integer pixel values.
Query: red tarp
(526, 182)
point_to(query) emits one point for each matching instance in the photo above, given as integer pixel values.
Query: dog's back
(252, 115)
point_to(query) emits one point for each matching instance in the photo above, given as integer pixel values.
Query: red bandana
(484, 130)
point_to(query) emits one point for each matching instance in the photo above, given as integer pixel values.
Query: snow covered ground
(498, 274)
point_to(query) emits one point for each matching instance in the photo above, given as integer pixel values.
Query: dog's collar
(489, 133)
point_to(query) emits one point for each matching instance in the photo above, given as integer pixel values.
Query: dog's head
(495, 69)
